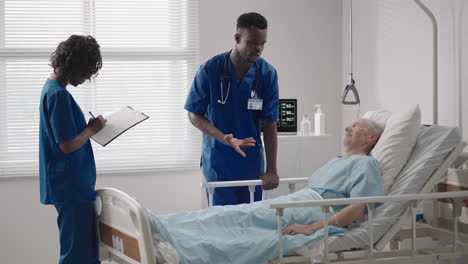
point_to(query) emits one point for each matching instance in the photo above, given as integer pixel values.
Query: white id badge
(255, 104)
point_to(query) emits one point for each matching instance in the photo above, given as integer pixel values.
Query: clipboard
(117, 123)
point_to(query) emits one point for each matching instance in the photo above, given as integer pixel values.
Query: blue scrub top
(64, 178)
(221, 162)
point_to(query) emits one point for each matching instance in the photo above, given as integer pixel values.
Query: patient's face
(358, 133)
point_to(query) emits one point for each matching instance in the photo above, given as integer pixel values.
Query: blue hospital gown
(347, 177)
(247, 233)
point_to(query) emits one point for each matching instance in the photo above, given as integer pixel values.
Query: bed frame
(125, 234)
(124, 229)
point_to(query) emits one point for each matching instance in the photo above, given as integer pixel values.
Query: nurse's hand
(237, 144)
(270, 180)
(96, 124)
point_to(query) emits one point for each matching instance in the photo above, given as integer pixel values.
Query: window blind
(150, 55)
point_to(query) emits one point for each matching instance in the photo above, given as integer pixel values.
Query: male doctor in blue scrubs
(234, 95)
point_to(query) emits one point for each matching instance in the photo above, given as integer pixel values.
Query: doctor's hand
(237, 144)
(295, 229)
(270, 179)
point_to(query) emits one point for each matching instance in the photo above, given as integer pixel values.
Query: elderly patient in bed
(247, 233)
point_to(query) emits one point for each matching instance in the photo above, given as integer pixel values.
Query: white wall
(304, 44)
(393, 57)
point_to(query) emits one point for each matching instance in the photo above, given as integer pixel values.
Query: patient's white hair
(373, 127)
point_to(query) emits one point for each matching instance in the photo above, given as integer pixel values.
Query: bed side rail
(210, 186)
(455, 197)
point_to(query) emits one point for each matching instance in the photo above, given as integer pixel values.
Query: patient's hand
(295, 229)
(270, 180)
(237, 144)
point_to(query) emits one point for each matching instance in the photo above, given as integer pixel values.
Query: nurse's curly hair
(247, 20)
(77, 54)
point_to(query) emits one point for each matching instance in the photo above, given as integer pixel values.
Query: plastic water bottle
(306, 126)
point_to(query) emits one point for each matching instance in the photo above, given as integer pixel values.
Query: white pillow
(396, 142)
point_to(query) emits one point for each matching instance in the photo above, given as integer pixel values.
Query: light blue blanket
(245, 233)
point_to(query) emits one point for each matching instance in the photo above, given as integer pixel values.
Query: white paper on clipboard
(117, 123)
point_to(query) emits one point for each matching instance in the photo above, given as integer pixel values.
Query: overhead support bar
(435, 65)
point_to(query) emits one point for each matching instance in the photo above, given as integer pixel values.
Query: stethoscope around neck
(226, 75)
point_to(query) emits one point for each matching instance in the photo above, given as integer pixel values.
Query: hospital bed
(125, 231)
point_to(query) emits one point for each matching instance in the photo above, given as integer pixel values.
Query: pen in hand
(96, 123)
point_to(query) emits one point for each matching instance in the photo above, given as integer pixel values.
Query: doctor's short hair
(248, 20)
(79, 54)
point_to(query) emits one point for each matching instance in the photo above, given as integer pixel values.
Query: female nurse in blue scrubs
(67, 170)
(233, 96)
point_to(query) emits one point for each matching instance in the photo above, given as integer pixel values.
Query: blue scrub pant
(78, 238)
(235, 195)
